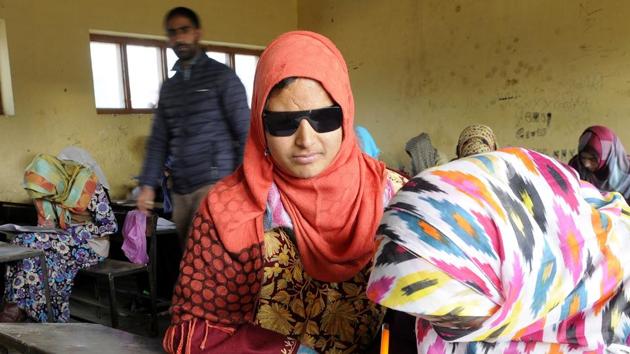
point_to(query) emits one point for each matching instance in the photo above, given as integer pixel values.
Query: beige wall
(415, 65)
(437, 66)
(52, 82)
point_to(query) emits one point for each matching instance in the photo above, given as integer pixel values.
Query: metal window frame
(123, 41)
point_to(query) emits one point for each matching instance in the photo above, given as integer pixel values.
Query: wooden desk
(10, 252)
(18, 213)
(49, 338)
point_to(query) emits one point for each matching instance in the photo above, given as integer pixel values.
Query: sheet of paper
(165, 224)
(13, 228)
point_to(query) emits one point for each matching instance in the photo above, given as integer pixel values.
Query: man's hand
(145, 199)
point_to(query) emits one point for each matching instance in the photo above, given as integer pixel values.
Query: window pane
(171, 58)
(107, 75)
(219, 56)
(245, 67)
(145, 75)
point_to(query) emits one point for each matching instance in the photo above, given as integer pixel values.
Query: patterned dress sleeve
(215, 298)
(104, 221)
(394, 182)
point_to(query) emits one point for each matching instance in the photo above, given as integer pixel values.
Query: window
(128, 72)
(6, 89)
(1, 107)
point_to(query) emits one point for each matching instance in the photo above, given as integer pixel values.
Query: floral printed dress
(328, 317)
(66, 253)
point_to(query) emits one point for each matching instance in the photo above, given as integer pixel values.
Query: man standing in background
(202, 120)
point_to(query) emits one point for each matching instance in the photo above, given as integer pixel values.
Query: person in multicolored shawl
(602, 160)
(506, 252)
(68, 195)
(278, 257)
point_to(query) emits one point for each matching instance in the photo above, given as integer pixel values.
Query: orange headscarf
(335, 214)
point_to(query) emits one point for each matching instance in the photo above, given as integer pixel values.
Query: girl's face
(589, 160)
(306, 153)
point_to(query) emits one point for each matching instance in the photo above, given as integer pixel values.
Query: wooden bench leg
(113, 305)
(97, 296)
(153, 289)
(44, 266)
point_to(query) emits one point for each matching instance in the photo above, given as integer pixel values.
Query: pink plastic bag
(134, 232)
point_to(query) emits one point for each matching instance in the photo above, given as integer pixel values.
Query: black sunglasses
(323, 120)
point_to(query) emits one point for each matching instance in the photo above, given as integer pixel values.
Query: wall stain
(355, 65)
(589, 12)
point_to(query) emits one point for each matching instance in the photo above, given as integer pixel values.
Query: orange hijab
(335, 214)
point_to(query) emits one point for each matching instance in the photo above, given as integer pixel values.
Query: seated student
(69, 193)
(475, 139)
(279, 254)
(506, 252)
(602, 160)
(423, 154)
(366, 142)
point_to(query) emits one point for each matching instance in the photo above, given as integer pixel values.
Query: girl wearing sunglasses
(279, 254)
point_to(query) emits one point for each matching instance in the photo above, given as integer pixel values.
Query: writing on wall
(561, 154)
(532, 125)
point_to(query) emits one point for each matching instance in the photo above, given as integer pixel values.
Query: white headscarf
(83, 157)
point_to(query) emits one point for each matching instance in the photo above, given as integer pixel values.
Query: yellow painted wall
(52, 80)
(415, 65)
(438, 66)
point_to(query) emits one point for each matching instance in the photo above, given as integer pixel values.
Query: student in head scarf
(279, 254)
(423, 154)
(602, 160)
(366, 142)
(475, 139)
(506, 252)
(68, 194)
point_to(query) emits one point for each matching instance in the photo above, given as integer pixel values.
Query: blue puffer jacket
(202, 122)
